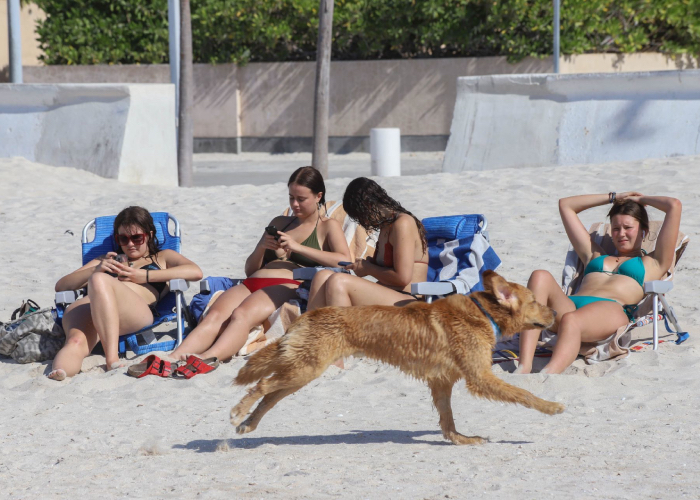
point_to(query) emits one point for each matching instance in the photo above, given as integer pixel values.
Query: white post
(174, 45)
(556, 30)
(656, 322)
(13, 10)
(385, 151)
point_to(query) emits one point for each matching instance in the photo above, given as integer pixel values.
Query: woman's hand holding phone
(288, 243)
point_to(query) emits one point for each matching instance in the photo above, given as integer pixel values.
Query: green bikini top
(632, 268)
(310, 242)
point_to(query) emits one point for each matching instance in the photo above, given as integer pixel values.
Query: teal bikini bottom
(583, 300)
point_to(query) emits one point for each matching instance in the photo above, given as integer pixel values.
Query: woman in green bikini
(612, 284)
(305, 239)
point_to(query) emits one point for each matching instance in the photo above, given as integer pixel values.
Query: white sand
(630, 429)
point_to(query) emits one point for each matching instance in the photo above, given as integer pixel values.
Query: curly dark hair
(366, 202)
(631, 207)
(139, 217)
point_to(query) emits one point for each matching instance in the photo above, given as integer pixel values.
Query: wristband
(147, 281)
(611, 197)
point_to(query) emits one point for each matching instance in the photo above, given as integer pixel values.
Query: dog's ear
(501, 289)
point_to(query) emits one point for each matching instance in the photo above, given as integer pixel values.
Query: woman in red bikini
(305, 239)
(401, 256)
(612, 284)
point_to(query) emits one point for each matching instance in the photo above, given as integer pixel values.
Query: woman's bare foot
(58, 374)
(115, 365)
(523, 370)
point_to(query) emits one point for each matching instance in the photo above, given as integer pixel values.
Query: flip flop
(194, 366)
(152, 365)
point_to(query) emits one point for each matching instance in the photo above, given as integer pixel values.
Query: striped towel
(459, 251)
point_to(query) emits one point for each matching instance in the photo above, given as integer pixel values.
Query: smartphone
(342, 263)
(272, 231)
(121, 258)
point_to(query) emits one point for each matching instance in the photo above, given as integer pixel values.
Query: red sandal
(152, 365)
(194, 366)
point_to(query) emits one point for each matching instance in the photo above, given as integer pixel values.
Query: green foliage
(136, 31)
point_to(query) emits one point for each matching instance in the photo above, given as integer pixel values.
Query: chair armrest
(204, 287)
(179, 285)
(433, 288)
(67, 297)
(308, 273)
(658, 286)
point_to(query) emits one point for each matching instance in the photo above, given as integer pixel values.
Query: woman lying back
(612, 284)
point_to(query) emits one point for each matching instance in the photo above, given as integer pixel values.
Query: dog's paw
(244, 428)
(555, 408)
(457, 438)
(236, 416)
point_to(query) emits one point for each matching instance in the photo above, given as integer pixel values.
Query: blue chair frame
(172, 307)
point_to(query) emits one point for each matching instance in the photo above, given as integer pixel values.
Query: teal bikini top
(633, 268)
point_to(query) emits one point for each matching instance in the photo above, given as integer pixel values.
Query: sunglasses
(136, 239)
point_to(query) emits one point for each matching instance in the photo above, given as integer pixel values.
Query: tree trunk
(322, 95)
(185, 139)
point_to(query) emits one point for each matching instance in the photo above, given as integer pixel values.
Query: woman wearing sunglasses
(122, 291)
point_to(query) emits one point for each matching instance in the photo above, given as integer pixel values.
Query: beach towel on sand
(459, 252)
(32, 338)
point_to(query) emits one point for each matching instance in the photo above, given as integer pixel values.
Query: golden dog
(439, 343)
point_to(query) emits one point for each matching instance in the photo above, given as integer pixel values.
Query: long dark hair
(366, 202)
(632, 208)
(139, 217)
(311, 178)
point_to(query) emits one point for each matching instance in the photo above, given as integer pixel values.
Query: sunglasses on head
(136, 239)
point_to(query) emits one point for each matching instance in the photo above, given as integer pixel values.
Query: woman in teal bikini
(612, 284)
(305, 239)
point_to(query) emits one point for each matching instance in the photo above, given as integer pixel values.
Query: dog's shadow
(354, 437)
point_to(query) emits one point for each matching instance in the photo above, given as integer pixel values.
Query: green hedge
(136, 31)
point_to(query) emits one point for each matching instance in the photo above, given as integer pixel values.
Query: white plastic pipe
(385, 151)
(15, 41)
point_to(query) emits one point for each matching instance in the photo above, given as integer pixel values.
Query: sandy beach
(630, 429)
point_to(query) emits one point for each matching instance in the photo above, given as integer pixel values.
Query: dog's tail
(260, 365)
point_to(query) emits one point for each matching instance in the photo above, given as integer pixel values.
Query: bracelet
(147, 281)
(611, 197)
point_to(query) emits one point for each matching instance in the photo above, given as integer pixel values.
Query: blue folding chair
(459, 253)
(172, 307)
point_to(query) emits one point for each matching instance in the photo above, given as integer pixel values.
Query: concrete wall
(540, 120)
(269, 106)
(124, 132)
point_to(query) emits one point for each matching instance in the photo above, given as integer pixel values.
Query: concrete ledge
(124, 132)
(336, 145)
(539, 120)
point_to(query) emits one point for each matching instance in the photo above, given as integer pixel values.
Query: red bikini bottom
(255, 284)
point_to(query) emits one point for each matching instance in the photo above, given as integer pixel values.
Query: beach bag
(33, 337)
(200, 301)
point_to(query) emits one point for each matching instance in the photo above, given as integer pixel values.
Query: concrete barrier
(505, 121)
(124, 132)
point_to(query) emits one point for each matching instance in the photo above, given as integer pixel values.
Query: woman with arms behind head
(612, 284)
(121, 294)
(401, 255)
(304, 239)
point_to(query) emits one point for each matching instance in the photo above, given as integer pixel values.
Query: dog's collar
(496, 330)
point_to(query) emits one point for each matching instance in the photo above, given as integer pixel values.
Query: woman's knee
(337, 284)
(98, 282)
(320, 278)
(76, 340)
(539, 279)
(568, 323)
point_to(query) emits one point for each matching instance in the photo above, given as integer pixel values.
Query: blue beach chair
(459, 253)
(171, 307)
